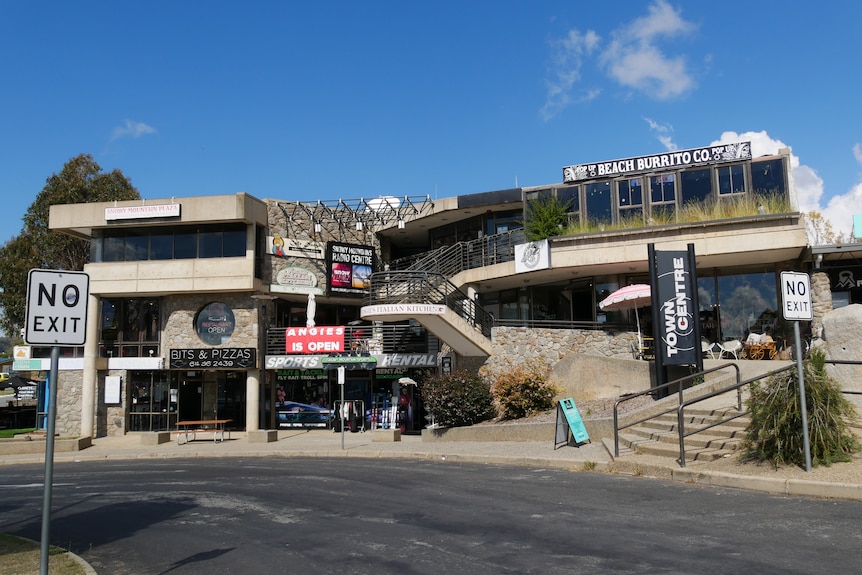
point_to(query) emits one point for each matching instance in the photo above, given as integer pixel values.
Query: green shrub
(523, 390)
(457, 399)
(775, 433)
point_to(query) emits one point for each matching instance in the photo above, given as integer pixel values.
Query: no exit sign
(796, 296)
(56, 307)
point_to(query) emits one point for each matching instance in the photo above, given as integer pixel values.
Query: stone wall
(821, 300)
(515, 345)
(68, 422)
(586, 364)
(179, 331)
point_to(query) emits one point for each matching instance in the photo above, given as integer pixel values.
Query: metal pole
(802, 404)
(341, 408)
(49, 462)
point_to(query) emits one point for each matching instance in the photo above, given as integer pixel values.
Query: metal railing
(666, 386)
(414, 287)
(478, 253)
(608, 327)
(736, 387)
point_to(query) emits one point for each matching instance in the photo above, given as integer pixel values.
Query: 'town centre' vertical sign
(56, 307)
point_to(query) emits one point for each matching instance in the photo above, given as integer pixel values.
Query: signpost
(56, 316)
(796, 305)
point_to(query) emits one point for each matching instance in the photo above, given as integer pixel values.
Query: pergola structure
(370, 214)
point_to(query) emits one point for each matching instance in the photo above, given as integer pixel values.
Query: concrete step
(715, 449)
(711, 437)
(740, 423)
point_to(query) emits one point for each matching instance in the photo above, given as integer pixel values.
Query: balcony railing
(451, 260)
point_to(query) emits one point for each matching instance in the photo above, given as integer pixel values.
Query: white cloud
(662, 134)
(857, 153)
(131, 129)
(567, 59)
(808, 184)
(840, 210)
(633, 58)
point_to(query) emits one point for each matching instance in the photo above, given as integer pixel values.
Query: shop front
(307, 394)
(158, 399)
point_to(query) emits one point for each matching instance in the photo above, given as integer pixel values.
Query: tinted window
(210, 244)
(185, 245)
(768, 177)
(234, 243)
(598, 197)
(696, 185)
(162, 246)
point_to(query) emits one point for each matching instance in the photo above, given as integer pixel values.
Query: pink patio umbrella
(629, 297)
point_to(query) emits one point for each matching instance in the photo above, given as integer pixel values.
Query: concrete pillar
(90, 375)
(252, 400)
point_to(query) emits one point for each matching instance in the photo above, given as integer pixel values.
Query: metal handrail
(414, 287)
(653, 390)
(562, 324)
(462, 256)
(737, 386)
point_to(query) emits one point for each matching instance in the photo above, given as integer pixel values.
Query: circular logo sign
(215, 323)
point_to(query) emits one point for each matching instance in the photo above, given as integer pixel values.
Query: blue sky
(348, 99)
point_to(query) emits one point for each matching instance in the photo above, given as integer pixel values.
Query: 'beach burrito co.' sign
(656, 162)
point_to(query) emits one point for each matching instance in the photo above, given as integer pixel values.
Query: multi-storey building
(230, 307)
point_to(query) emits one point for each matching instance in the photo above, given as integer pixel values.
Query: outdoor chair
(707, 348)
(732, 347)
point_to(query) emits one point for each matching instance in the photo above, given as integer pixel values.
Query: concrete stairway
(660, 436)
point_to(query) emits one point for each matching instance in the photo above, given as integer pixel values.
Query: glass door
(153, 401)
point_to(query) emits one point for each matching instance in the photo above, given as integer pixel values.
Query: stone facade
(68, 422)
(515, 345)
(178, 315)
(179, 329)
(821, 300)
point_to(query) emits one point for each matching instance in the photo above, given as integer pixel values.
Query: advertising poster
(350, 268)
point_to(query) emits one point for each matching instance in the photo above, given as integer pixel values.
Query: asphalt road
(297, 515)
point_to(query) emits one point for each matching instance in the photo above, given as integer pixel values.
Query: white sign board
(796, 296)
(56, 307)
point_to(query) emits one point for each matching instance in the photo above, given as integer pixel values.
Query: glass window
(538, 194)
(767, 177)
(662, 188)
(210, 244)
(137, 246)
(731, 179)
(162, 246)
(748, 303)
(234, 243)
(113, 249)
(630, 192)
(695, 185)
(598, 198)
(185, 245)
(605, 286)
(110, 320)
(126, 324)
(662, 199)
(569, 197)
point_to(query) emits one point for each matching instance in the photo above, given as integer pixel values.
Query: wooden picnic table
(187, 430)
